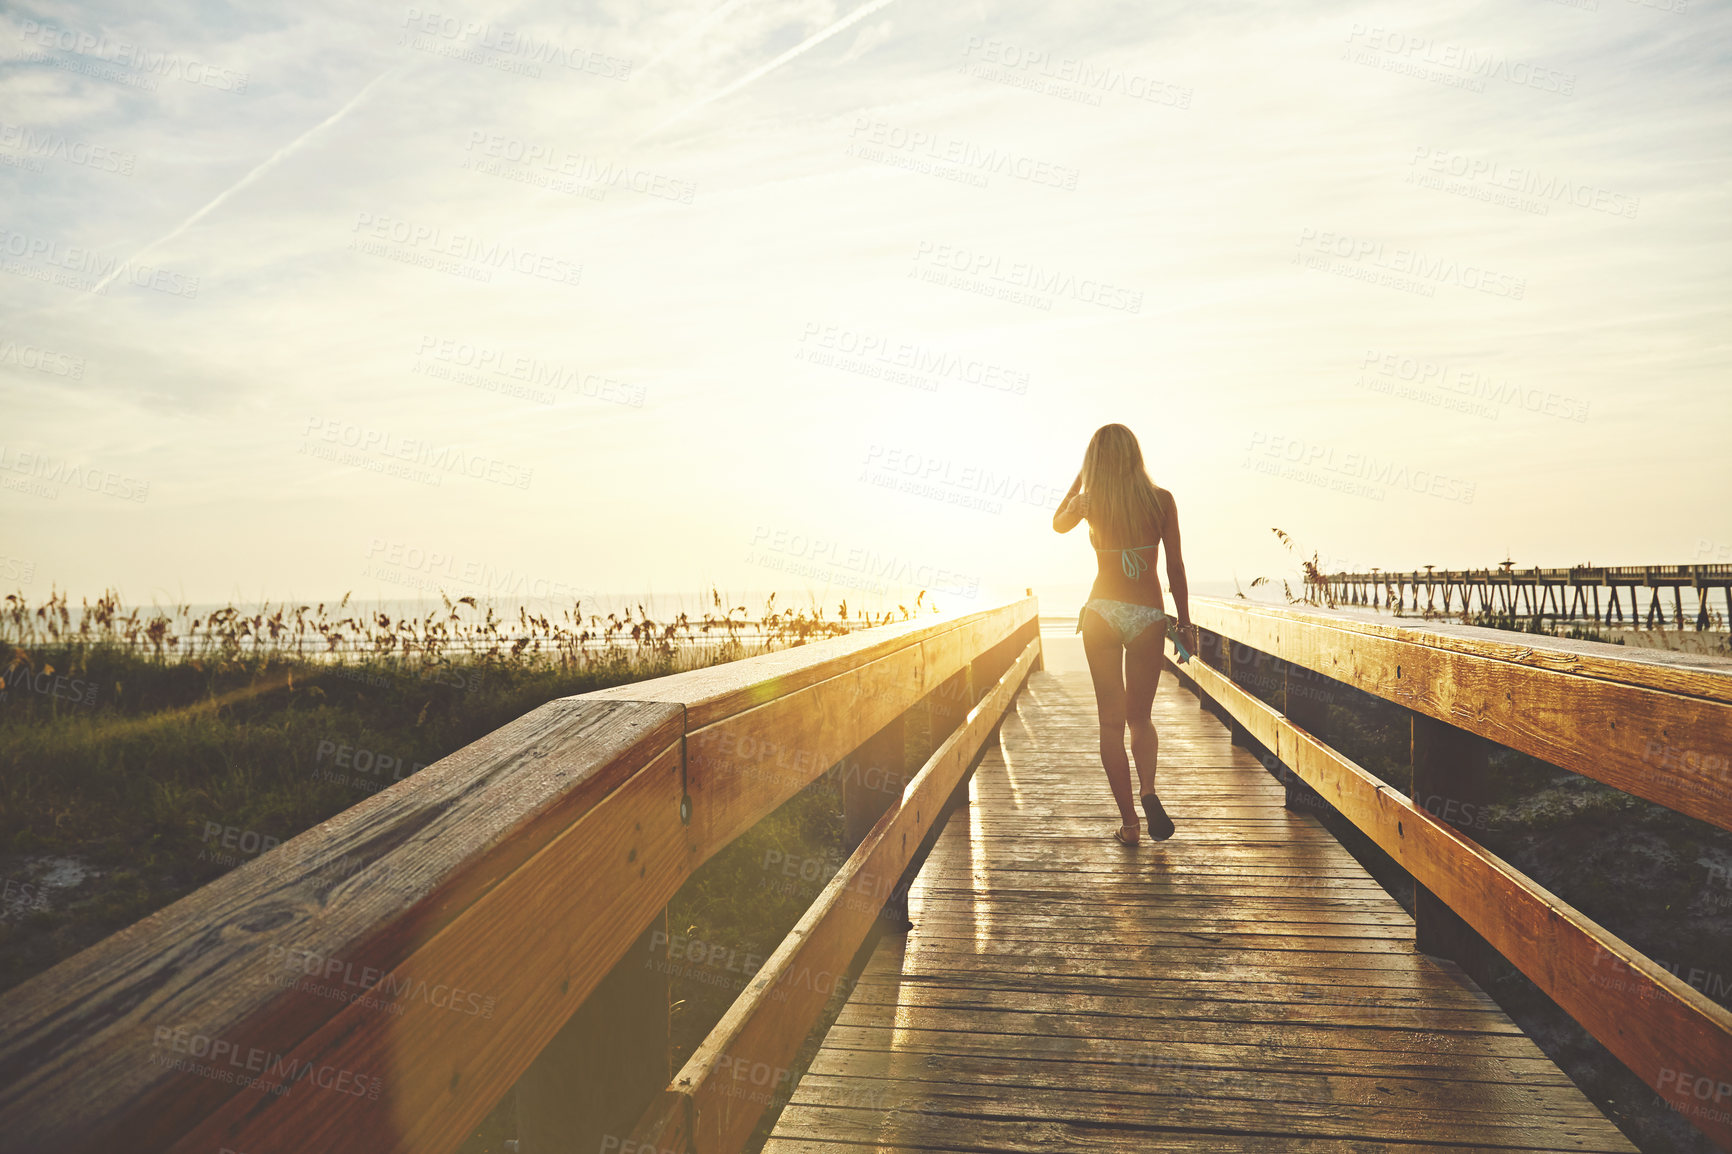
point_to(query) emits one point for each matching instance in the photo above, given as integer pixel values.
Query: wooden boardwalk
(1243, 986)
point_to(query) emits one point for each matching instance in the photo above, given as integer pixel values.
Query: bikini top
(1131, 559)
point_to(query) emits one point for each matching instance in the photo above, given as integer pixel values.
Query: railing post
(1451, 773)
(1224, 663)
(1033, 631)
(1217, 655)
(1304, 706)
(605, 1067)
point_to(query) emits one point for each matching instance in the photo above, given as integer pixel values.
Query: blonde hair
(1122, 499)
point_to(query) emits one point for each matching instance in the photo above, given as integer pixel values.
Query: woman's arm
(1176, 570)
(1072, 509)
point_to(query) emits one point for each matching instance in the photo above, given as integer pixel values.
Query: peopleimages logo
(1308, 458)
(435, 241)
(85, 269)
(1475, 63)
(1409, 263)
(131, 57)
(826, 556)
(531, 371)
(228, 1062)
(514, 42)
(583, 167)
(386, 445)
(966, 154)
(1521, 180)
(386, 986)
(41, 360)
(60, 471)
(926, 362)
(1023, 275)
(49, 145)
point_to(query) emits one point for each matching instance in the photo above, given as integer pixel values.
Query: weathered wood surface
(1660, 1027)
(310, 999)
(1654, 724)
(710, 695)
(83, 1064)
(1239, 987)
(1694, 674)
(744, 1062)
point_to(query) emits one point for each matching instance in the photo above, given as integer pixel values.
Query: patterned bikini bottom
(1129, 621)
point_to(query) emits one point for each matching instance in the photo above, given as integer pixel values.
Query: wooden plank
(743, 766)
(1370, 1118)
(1084, 916)
(910, 1110)
(1659, 731)
(1016, 1137)
(1261, 961)
(766, 1026)
(1079, 1139)
(536, 943)
(1265, 937)
(1345, 1023)
(1221, 1074)
(1049, 972)
(1300, 1049)
(366, 889)
(1668, 1033)
(721, 691)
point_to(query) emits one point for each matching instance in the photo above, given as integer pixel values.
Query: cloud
(866, 40)
(764, 70)
(716, 264)
(257, 171)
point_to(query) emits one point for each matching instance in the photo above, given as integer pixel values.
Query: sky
(536, 301)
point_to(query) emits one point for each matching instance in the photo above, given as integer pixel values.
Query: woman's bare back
(1118, 561)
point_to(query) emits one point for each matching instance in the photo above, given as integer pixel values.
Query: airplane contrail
(763, 70)
(703, 23)
(258, 170)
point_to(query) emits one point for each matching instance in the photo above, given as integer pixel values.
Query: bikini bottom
(1129, 621)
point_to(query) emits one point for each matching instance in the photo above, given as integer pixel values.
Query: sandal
(1160, 825)
(1119, 836)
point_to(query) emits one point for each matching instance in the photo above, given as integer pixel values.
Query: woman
(1123, 624)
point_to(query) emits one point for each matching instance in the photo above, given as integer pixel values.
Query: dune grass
(143, 754)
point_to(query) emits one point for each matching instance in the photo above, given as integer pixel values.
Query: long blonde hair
(1122, 499)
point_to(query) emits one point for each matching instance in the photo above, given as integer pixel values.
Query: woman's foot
(1126, 835)
(1160, 825)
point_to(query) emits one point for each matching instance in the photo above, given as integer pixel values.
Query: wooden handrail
(378, 982)
(715, 1101)
(1589, 711)
(1652, 723)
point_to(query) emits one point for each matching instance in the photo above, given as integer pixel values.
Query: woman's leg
(1142, 678)
(1106, 657)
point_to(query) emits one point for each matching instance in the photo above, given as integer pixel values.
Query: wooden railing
(379, 982)
(1651, 723)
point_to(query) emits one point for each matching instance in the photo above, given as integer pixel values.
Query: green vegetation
(144, 754)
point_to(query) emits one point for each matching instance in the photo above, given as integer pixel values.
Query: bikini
(1128, 619)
